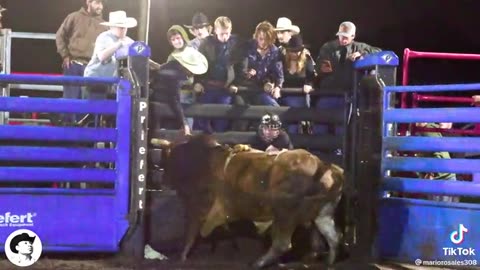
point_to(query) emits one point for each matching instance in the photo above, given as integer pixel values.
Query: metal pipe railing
(416, 98)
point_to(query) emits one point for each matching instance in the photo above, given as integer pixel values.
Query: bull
(219, 184)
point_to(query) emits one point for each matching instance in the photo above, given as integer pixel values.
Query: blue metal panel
(58, 133)
(440, 187)
(33, 174)
(55, 105)
(57, 191)
(433, 88)
(31, 153)
(55, 80)
(433, 144)
(417, 229)
(455, 115)
(122, 167)
(383, 58)
(63, 223)
(418, 164)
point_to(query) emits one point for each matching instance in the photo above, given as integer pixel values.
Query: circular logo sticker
(23, 248)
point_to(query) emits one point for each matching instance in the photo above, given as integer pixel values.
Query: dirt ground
(224, 257)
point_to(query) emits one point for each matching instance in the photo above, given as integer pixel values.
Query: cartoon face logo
(23, 248)
(458, 236)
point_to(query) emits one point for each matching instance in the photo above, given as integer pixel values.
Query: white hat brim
(344, 34)
(198, 66)
(295, 29)
(128, 23)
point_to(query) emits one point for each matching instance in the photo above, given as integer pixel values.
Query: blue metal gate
(66, 219)
(412, 228)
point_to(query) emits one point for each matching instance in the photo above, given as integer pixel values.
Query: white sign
(23, 248)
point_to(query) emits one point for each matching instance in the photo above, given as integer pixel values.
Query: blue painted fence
(67, 219)
(411, 229)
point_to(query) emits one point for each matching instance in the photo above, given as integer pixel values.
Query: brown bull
(219, 184)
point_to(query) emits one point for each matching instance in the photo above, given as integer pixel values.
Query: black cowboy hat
(199, 20)
(295, 44)
(19, 238)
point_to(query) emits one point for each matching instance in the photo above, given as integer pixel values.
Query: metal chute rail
(101, 216)
(411, 227)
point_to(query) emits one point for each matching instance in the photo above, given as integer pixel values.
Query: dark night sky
(430, 25)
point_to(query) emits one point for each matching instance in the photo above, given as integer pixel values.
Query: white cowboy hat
(285, 24)
(192, 60)
(120, 19)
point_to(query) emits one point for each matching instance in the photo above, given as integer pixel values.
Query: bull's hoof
(259, 264)
(313, 256)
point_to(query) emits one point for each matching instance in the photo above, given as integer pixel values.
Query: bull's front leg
(281, 243)
(192, 229)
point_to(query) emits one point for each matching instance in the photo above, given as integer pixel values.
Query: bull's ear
(160, 142)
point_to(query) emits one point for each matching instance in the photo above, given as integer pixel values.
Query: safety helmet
(271, 121)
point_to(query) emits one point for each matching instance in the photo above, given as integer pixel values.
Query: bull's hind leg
(326, 225)
(316, 243)
(281, 243)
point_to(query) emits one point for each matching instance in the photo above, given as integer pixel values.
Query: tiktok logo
(457, 237)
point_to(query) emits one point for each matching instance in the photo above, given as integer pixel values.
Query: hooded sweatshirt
(186, 41)
(76, 36)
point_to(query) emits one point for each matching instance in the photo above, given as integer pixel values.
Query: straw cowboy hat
(192, 60)
(285, 24)
(120, 19)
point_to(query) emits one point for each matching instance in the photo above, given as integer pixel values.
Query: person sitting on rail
(182, 64)
(200, 28)
(265, 68)
(227, 66)
(299, 72)
(103, 62)
(270, 136)
(438, 154)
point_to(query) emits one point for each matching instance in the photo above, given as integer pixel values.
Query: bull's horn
(160, 142)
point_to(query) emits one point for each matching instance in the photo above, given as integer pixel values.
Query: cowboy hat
(2, 9)
(192, 60)
(20, 238)
(295, 44)
(120, 19)
(199, 20)
(285, 24)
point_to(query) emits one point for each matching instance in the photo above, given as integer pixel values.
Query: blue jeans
(328, 103)
(265, 99)
(73, 91)
(213, 96)
(295, 101)
(187, 97)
